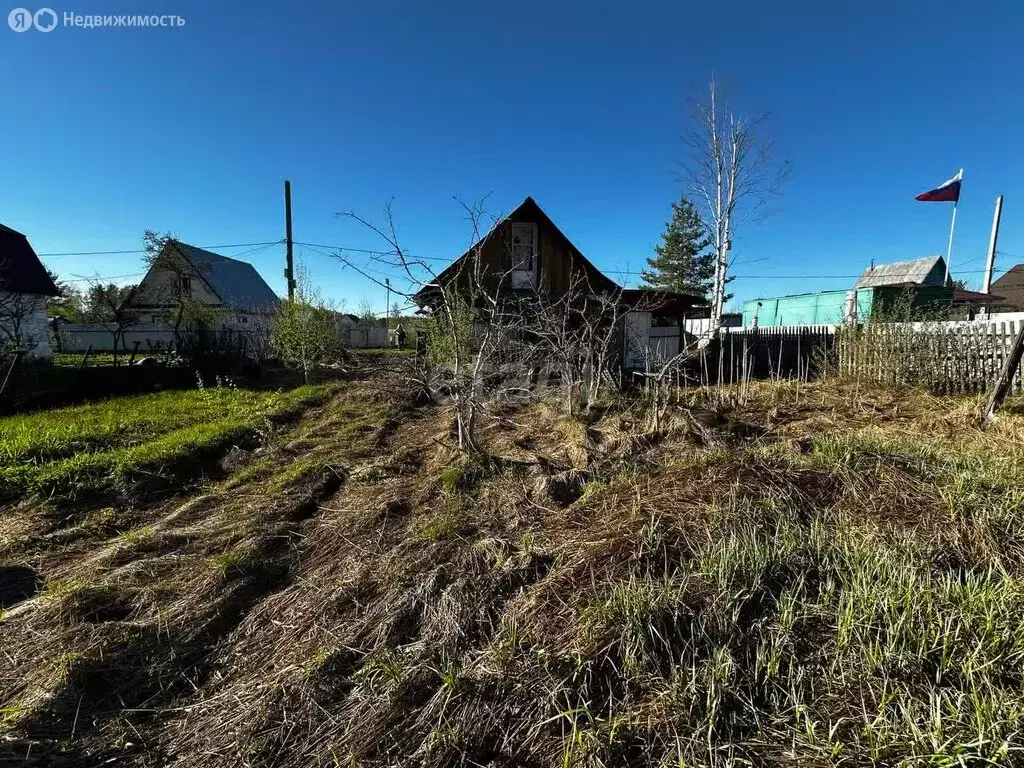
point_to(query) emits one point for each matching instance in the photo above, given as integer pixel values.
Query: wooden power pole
(289, 269)
(387, 310)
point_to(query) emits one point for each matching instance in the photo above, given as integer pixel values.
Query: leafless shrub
(576, 335)
(472, 320)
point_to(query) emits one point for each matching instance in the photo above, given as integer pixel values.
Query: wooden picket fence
(943, 357)
(795, 352)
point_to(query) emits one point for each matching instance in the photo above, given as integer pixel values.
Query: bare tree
(472, 319)
(367, 314)
(575, 333)
(731, 175)
(107, 304)
(16, 311)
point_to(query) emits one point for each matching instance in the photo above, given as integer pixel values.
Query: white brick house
(24, 287)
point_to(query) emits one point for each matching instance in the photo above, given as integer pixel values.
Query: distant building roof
(930, 270)
(1011, 285)
(237, 283)
(963, 296)
(21, 271)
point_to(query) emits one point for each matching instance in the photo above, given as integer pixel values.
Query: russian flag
(947, 192)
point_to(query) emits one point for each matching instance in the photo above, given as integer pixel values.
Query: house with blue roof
(182, 273)
(184, 281)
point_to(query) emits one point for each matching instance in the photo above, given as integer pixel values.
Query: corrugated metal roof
(930, 270)
(21, 271)
(237, 283)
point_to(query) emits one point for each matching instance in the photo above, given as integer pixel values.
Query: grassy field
(816, 575)
(64, 450)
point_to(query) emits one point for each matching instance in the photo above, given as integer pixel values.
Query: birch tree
(731, 174)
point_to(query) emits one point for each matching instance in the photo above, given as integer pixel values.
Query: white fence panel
(78, 337)
(362, 336)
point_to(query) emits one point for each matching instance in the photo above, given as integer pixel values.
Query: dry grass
(823, 575)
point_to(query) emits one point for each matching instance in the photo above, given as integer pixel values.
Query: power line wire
(252, 251)
(99, 278)
(143, 250)
(633, 272)
(260, 246)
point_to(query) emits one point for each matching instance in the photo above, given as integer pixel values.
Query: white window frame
(518, 273)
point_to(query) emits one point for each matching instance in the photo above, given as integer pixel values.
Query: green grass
(88, 447)
(298, 471)
(74, 359)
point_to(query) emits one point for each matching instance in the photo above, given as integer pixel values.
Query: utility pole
(289, 270)
(990, 262)
(387, 309)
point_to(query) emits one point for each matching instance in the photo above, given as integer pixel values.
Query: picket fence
(946, 358)
(740, 354)
(956, 357)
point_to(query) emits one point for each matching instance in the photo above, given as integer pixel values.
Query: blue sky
(108, 132)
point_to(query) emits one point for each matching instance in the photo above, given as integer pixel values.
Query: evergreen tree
(683, 263)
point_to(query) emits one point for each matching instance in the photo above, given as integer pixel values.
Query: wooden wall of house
(557, 258)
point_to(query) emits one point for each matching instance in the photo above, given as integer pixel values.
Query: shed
(835, 307)
(819, 308)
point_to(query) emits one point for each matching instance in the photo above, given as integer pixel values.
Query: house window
(524, 247)
(186, 286)
(662, 320)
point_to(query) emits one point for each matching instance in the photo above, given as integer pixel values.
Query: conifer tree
(684, 263)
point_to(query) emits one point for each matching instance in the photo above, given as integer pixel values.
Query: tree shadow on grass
(17, 583)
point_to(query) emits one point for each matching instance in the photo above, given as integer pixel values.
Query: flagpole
(952, 226)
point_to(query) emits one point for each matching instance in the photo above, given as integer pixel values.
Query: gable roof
(237, 283)
(930, 270)
(531, 209)
(21, 271)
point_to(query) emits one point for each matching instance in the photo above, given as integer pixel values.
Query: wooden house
(525, 253)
